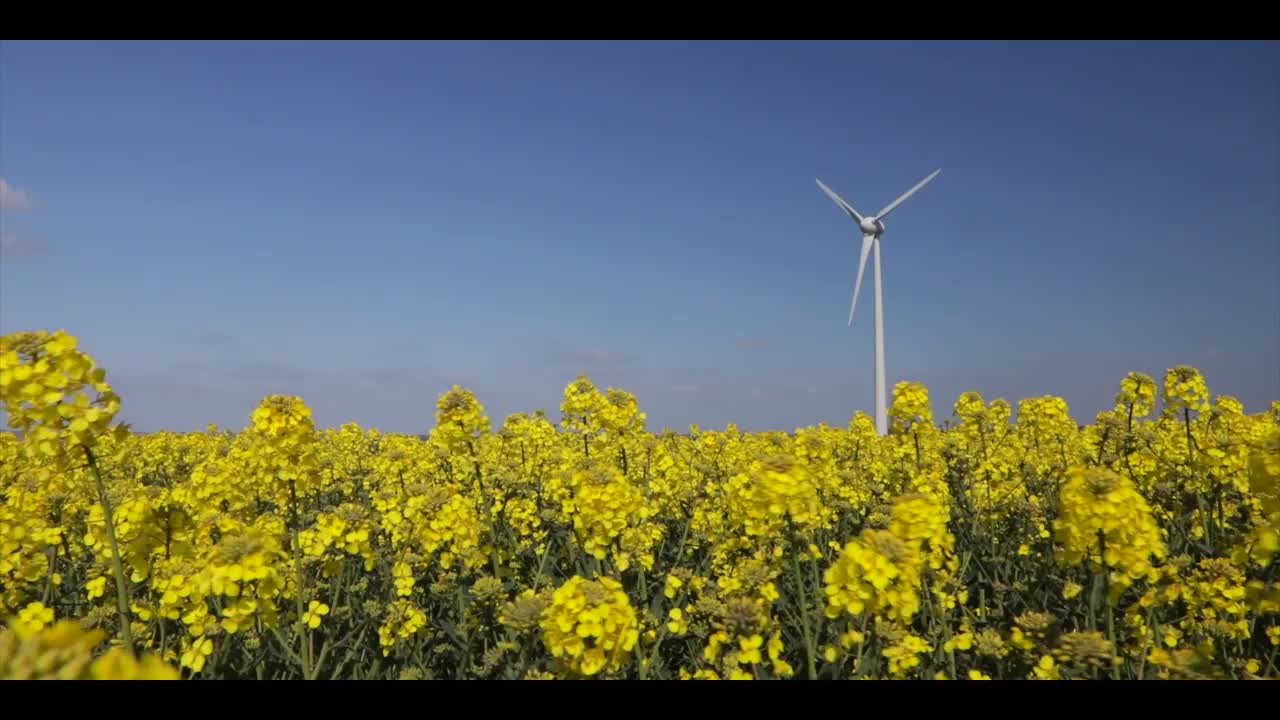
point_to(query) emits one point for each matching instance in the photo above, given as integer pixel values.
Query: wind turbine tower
(872, 227)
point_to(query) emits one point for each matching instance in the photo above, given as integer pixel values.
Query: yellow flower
(118, 664)
(677, 624)
(590, 626)
(851, 638)
(904, 655)
(672, 585)
(1107, 521)
(776, 491)
(44, 386)
(781, 667)
(403, 574)
(403, 621)
(1185, 389)
(481, 525)
(711, 653)
(196, 652)
(910, 407)
(64, 650)
(460, 420)
(1139, 391)
(750, 649)
(877, 573)
(769, 591)
(97, 587)
(1046, 669)
(604, 505)
(32, 619)
(963, 641)
(315, 610)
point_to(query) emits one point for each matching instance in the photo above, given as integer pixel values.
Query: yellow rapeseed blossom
(921, 520)
(65, 651)
(403, 621)
(1105, 520)
(460, 420)
(910, 407)
(590, 626)
(118, 664)
(603, 505)
(878, 573)
(1137, 394)
(775, 493)
(315, 611)
(1185, 389)
(591, 546)
(45, 389)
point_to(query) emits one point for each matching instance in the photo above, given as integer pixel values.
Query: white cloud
(14, 245)
(12, 198)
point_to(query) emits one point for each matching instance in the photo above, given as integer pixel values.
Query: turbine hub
(871, 226)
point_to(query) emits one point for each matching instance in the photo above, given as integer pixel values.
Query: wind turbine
(872, 227)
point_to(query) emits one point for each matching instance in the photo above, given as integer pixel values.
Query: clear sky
(364, 224)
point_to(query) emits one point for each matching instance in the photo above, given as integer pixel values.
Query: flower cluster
(284, 438)
(998, 545)
(1106, 521)
(910, 407)
(1137, 394)
(603, 505)
(775, 493)
(590, 626)
(66, 651)
(45, 386)
(1185, 389)
(460, 419)
(878, 573)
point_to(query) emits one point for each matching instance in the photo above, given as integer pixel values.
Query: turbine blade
(840, 201)
(862, 265)
(889, 208)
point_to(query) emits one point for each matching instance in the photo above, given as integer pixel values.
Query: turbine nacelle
(871, 226)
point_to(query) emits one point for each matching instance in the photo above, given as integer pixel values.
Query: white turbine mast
(872, 227)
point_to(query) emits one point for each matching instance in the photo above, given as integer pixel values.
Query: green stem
(1106, 597)
(303, 636)
(1093, 604)
(1186, 418)
(52, 552)
(946, 635)
(817, 583)
(465, 636)
(542, 561)
(122, 590)
(803, 602)
(1111, 635)
(684, 537)
(1151, 634)
(643, 671)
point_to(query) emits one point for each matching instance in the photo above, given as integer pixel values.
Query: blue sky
(365, 224)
